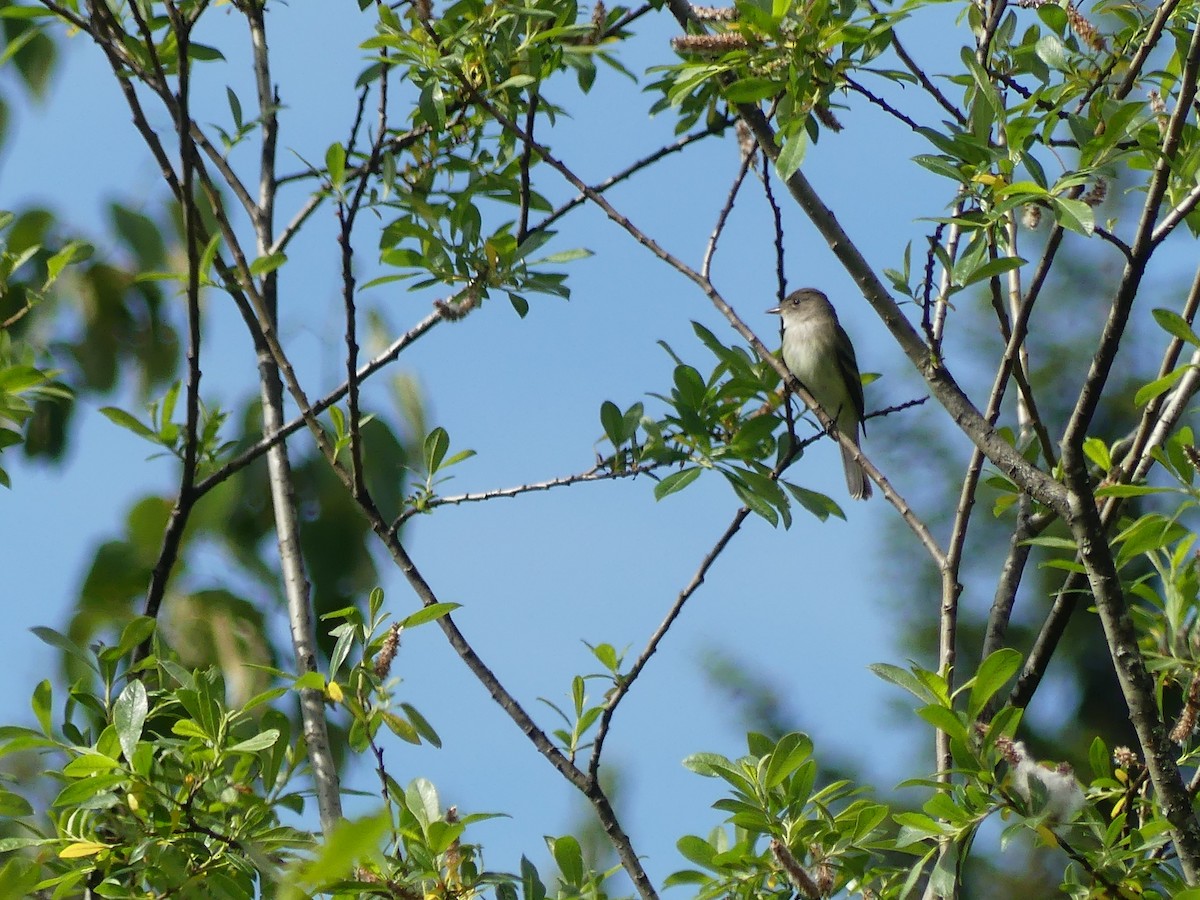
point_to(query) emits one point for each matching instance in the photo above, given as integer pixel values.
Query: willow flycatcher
(817, 350)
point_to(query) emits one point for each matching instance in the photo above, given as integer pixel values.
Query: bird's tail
(856, 479)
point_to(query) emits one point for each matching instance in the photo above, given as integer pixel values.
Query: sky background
(807, 609)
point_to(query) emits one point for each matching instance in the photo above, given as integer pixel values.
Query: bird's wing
(848, 365)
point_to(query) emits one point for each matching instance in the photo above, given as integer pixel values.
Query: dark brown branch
(880, 102)
(722, 217)
(1161, 17)
(526, 162)
(923, 80)
(630, 170)
(777, 222)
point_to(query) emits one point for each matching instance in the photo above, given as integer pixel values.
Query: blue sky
(809, 609)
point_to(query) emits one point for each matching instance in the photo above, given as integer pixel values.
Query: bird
(817, 350)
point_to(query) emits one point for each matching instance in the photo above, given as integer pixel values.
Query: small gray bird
(817, 350)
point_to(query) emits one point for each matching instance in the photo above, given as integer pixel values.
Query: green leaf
(189, 728)
(568, 856)
(421, 724)
(88, 790)
(421, 798)
(1175, 325)
(993, 268)
(399, 726)
(1148, 392)
(235, 107)
(71, 252)
(565, 256)
(139, 629)
(260, 741)
(531, 885)
(697, 850)
(816, 503)
(1130, 490)
(944, 719)
(335, 165)
(710, 765)
(89, 764)
(437, 442)
(42, 695)
(129, 715)
(64, 643)
(204, 53)
(607, 655)
(1050, 50)
(1098, 453)
(312, 681)
(905, 679)
(792, 154)
(676, 481)
(1100, 759)
(754, 499)
(750, 90)
(128, 422)
(428, 614)
(792, 751)
(14, 805)
(1074, 215)
(610, 420)
(342, 849)
(515, 82)
(994, 672)
(266, 264)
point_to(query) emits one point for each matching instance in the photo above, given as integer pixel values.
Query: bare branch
(711, 250)
(625, 682)
(1161, 16)
(594, 474)
(630, 170)
(923, 79)
(880, 102)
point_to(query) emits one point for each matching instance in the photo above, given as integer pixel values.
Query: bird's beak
(775, 309)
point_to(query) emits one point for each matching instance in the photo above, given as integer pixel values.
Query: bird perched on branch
(817, 350)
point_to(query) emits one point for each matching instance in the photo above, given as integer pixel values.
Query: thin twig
(630, 170)
(1161, 16)
(1175, 215)
(777, 223)
(923, 80)
(1010, 578)
(942, 305)
(880, 102)
(625, 681)
(595, 474)
(711, 249)
(1159, 419)
(1140, 250)
(186, 497)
